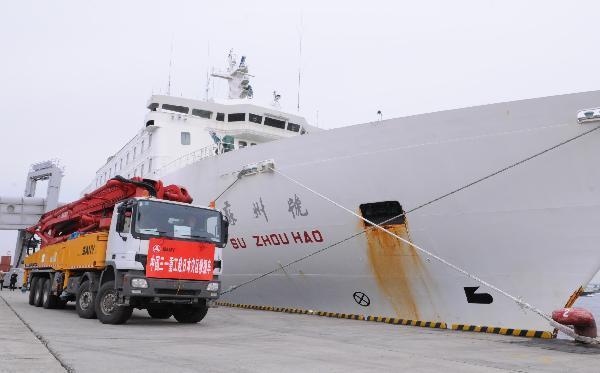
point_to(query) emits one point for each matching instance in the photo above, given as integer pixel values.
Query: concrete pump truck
(132, 243)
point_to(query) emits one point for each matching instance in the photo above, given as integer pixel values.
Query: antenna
(207, 64)
(170, 67)
(212, 82)
(299, 62)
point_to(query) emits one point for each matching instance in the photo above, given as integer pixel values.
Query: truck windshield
(154, 218)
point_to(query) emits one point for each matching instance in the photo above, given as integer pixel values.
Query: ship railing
(189, 158)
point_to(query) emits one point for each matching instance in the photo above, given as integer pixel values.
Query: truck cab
(138, 222)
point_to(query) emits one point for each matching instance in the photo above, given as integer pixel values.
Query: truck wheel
(38, 298)
(106, 306)
(32, 287)
(188, 314)
(60, 304)
(84, 302)
(159, 312)
(50, 300)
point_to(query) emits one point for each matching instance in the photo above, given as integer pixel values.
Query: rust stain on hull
(399, 272)
(389, 259)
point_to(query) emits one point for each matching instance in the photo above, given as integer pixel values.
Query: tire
(60, 304)
(107, 310)
(38, 297)
(50, 300)
(32, 287)
(188, 314)
(84, 302)
(159, 312)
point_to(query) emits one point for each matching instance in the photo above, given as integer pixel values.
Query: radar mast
(237, 76)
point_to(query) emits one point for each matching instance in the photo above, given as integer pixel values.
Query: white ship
(525, 211)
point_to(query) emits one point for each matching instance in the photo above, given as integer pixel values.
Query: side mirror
(120, 221)
(224, 231)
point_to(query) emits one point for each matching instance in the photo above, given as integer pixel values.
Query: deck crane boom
(94, 210)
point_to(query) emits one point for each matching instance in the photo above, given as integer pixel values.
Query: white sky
(75, 76)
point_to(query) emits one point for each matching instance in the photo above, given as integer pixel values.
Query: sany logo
(156, 248)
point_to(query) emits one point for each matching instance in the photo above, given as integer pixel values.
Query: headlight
(139, 283)
(213, 286)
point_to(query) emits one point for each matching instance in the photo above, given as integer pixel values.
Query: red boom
(93, 212)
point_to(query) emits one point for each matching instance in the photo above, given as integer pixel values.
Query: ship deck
(240, 340)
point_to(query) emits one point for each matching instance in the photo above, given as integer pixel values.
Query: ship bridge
(178, 130)
(250, 123)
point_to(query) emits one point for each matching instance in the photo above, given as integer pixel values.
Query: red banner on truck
(181, 260)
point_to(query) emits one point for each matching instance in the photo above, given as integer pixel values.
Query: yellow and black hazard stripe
(338, 315)
(388, 320)
(263, 308)
(503, 331)
(393, 320)
(397, 321)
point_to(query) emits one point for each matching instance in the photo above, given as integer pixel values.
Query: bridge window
(202, 113)
(186, 138)
(176, 108)
(255, 118)
(221, 117)
(236, 117)
(293, 127)
(274, 123)
(153, 106)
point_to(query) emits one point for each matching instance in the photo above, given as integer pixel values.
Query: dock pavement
(238, 340)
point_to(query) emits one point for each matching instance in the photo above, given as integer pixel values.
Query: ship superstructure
(179, 130)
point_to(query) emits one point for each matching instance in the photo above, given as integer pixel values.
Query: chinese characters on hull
(259, 210)
(227, 211)
(295, 207)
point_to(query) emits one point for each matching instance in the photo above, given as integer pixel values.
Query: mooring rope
(226, 189)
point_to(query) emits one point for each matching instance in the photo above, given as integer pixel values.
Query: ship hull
(531, 230)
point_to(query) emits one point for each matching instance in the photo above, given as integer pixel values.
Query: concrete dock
(236, 340)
